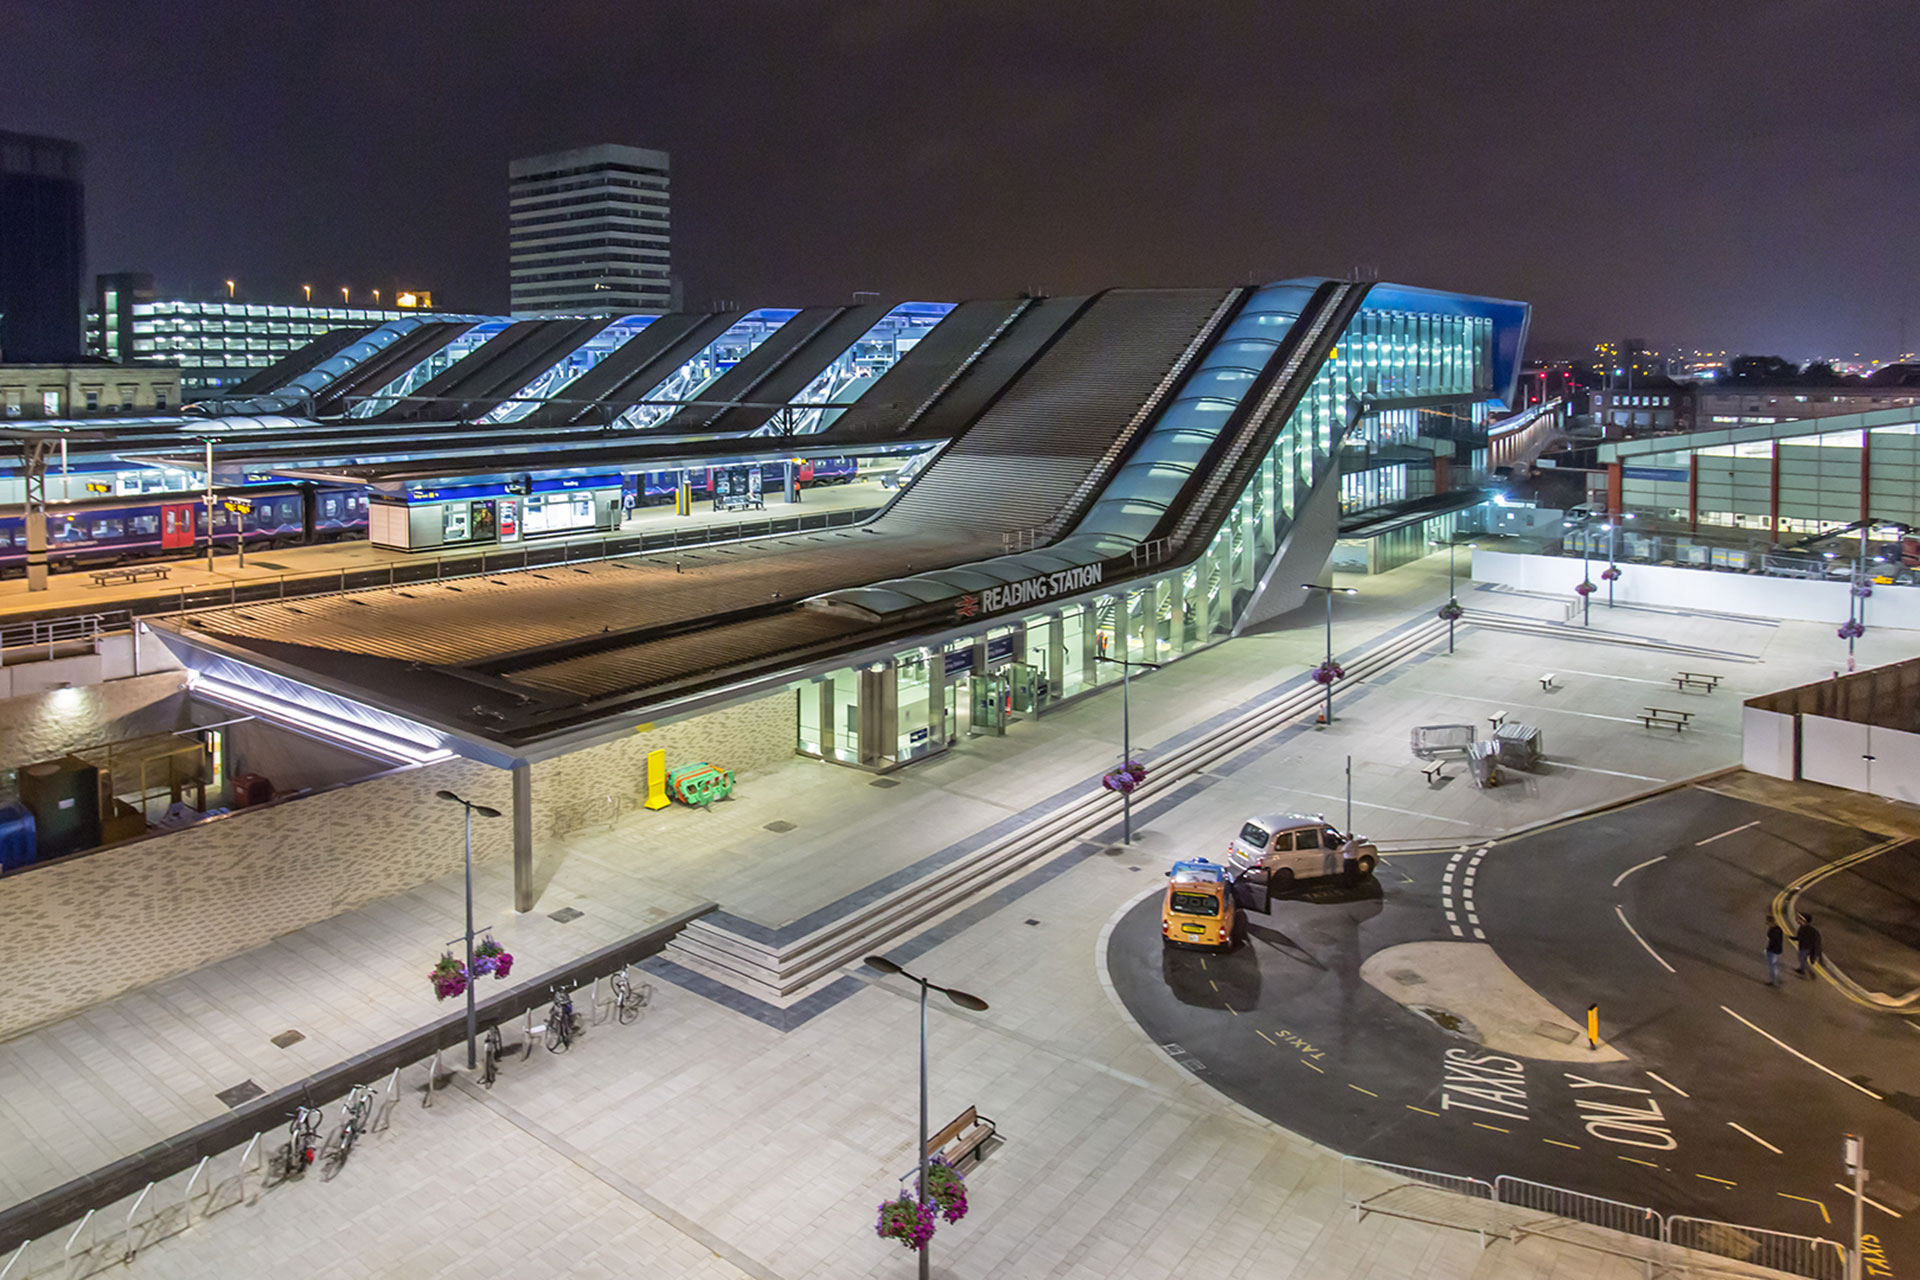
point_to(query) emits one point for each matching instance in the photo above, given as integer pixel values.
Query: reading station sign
(1035, 590)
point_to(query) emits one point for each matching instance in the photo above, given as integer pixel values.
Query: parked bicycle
(355, 1114)
(303, 1142)
(491, 1047)
(563, 1024)
(629, 1000)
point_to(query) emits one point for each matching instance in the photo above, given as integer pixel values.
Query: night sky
(1740, 175)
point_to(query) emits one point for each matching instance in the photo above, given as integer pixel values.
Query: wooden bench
(1695, 680)
(1546, 681)
(1435, 772)
(1662, 718)
(963, 1138)
(129, 573)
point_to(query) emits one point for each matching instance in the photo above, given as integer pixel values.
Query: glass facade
(978, 685)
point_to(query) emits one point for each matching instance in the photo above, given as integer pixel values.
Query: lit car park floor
(1436, 1018)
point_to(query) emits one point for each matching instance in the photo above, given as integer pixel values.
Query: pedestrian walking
(1776, 943)
(1807, 938)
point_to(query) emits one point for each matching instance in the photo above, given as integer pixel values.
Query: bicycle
(563, 1024)
(629, 1000)
(303, 1141)
(354, 1115)
(491, 1047)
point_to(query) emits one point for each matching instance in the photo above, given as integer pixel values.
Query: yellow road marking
(1757, 1138)
(1203, 964)
(1650, 1164)
(1305, 1063)
(1824, 1215)
(1264, 1036)
(1230, 1009)
(1496, 1128)
(1870, 1200)
(1370, 1093)
(1556, 1142)
(1710, 1178)
(1213, 984)
(1422, 1110)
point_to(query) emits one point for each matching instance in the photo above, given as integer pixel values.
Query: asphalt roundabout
(1435, 1016)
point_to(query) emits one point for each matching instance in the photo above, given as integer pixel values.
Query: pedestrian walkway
(704, 1126)
(77, 590)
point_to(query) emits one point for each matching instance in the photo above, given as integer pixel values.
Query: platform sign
(239, 506)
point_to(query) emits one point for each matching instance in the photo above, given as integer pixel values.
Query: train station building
(1132, 475)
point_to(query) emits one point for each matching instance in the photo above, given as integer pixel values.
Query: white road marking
(1457, 932)
(1869, 1199)
(1724, 834)
(1630, 870)
(1451, 916)
(1756, 1137)
(1643, 942)
(1472, 919)
(1611, 773)
(1670, 1084)
(1804, 1058)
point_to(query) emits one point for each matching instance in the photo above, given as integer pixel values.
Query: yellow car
(1199, 910)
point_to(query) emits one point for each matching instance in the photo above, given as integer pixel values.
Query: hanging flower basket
(1126, 778)
(449, 977)
(1328, 672)
(491, 957)
(1861, 591)
(1451, 612)
(947, 1189)
(1585, 589)
(1611, 573)
(907, 1220)
(1852, 629)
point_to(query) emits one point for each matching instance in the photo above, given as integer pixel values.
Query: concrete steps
(783, 974)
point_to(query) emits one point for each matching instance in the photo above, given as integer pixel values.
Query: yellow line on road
(1824, 1215)
(1357, 1089)
(1631, 1160)
(1670, 1084)
(1496, 1128)
(1870, 1200)
(1264, 1036)
(1230, 1009)
(1573, 1146)
(1203, 964)
(1213, 984)
(1422, 1110)
(1710, 1178)
(1305, 1063)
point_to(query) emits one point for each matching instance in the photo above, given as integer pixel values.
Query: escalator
(503, 364)
(624, 378)
(743, 381)
(382, 368)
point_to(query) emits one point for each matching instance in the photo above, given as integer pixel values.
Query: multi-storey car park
(1137, 473)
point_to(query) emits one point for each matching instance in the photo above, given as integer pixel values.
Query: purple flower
(1611, 573)
(1852, 629)
(1328, 672)
(1586, 588)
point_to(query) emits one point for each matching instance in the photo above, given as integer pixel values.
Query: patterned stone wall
(602, 782)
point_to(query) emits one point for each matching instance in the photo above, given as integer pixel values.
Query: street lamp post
(485, 811)
(965, 1001)
(1330, 592)
(1126, 735)
(1453, 598)
(1613, 568)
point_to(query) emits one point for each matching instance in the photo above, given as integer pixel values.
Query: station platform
(303, 569)
(775, 1171)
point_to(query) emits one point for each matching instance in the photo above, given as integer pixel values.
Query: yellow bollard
(657, 779)
(1593, 1026)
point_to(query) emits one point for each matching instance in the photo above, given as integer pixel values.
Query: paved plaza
(706, 1141)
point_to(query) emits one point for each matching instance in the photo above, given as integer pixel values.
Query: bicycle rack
(18, 1254)
(247, 1154)
(138, 1201)
(67, 1253)
(433, 1074)
(186, 1198)
(389, 1096)
(533, 1033)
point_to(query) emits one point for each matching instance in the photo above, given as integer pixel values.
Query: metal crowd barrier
(1514, 1208)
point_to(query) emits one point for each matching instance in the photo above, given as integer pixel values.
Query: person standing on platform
(1808, 940)
(1776, 943)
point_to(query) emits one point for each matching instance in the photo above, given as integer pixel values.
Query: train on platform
(110, 529)
(90, 532)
